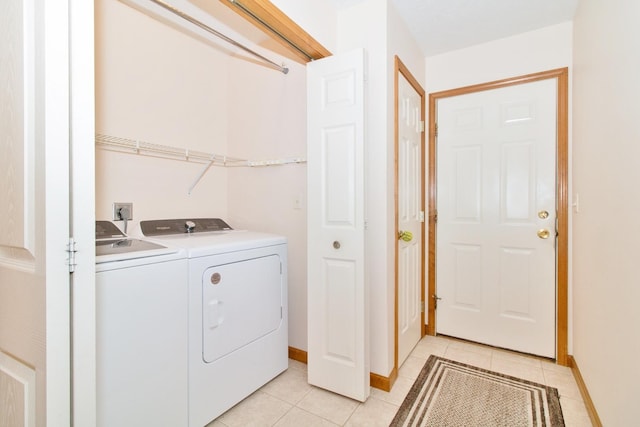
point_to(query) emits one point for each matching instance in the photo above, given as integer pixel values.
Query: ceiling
(444, 25)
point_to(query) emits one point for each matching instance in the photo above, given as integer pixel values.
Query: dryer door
(241, 302)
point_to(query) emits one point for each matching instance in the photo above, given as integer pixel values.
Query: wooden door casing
(562, 197)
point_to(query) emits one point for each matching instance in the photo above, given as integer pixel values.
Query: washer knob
(189, 225)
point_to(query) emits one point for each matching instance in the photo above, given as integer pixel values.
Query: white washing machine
(237, 310)
(141, 331)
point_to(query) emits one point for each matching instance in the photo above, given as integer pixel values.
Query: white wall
(526, 53)
(605, 231)
(402, 44)
(156, 84)
(267, 120)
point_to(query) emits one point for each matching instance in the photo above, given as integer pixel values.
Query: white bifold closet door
(338, 358)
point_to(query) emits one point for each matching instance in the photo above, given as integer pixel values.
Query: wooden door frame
(562, 196)
(400, 68)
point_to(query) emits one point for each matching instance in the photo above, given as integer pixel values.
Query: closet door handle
(405, 236)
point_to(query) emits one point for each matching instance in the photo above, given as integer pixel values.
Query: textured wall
(606, 229)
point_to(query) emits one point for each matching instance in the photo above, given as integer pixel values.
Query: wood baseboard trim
(297, 354)
(591, 409)
(375, 380)
(383, 383)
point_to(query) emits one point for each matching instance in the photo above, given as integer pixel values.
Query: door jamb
(562, 196)
(400, 68)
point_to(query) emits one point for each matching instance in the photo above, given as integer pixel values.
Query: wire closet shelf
(132, 146)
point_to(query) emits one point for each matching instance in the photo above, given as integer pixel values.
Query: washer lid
(107, 229)
(114, 245)
(122, 246)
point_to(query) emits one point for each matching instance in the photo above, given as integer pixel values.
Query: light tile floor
(289, 401)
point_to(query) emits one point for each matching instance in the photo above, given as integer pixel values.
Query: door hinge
(71, 257)
(421, 126)
(421, 216)
(435, 129)
(422, 306)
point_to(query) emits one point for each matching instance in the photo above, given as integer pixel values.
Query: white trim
(52, 142)
(82, 125)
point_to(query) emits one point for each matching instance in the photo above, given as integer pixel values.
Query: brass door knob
(543, 233)
(406, 236)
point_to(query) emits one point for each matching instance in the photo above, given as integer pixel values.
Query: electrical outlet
(122, 211)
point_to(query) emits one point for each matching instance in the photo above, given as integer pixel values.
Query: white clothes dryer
(141, 331)
(238, 321)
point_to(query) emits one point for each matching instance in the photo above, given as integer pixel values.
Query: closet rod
(208, 29)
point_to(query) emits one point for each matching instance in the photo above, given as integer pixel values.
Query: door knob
(543, 233)
(406, 236)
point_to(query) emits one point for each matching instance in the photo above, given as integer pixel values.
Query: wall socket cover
(119, 208)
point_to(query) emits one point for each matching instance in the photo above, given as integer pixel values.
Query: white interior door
(338, 357)
(35, 360)
(410, 218)
(496, 217)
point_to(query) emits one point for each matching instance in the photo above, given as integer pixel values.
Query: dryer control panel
(163, 227)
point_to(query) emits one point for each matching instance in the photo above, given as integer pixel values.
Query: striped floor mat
(452, 394)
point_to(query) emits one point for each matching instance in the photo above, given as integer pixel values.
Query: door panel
(409, 158)
(338, 358)
(515, 271)
(496, 173)
(35, 295)
(467, 270)
(340, 326)
(338, 154)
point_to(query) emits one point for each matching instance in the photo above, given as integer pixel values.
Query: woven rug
(452, 394)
